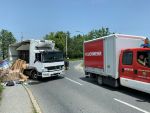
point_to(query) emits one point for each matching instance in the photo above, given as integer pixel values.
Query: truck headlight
(60, 67)
(63, 67)
(44, 69)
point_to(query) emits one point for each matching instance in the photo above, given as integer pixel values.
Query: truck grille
(54, 67)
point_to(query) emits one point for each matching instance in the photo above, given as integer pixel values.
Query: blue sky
(35, 18)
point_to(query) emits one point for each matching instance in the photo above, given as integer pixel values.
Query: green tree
(97, 33)
(59, 38)
(75, 43)
(6, 38)
(76, 47)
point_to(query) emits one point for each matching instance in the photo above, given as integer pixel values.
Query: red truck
(119, 59)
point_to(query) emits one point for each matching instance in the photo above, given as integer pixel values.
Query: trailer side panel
(94, 54)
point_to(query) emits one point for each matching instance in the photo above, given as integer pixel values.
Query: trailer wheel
(100, 80)
(34, 74)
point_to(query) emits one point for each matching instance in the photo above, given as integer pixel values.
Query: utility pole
(21, 36)
(66, 46)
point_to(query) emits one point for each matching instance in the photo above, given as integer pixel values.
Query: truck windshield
(143, 58)
(52, 57)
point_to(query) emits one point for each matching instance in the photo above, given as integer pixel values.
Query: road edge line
(130, 105)
(33, 100)
(74, 81)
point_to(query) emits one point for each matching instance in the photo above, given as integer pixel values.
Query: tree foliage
(59, 38)
(6, 38)
(97, 33)
(75, 43)
(76, 47)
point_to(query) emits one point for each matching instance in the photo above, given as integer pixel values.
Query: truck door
(126, 65)
(142, 66)
(134, 70)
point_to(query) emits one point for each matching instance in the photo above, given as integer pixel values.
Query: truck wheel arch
(34, 74)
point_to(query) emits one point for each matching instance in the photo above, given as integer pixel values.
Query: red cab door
(142, 69)
(126, 64)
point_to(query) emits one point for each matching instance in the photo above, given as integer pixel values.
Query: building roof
(20, 43)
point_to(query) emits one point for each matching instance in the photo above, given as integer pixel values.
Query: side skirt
(134, 84)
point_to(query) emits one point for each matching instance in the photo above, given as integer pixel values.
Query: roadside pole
(66, 47)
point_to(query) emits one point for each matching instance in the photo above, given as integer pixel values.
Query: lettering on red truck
(93, 53)
(144, 70)
(128, 69)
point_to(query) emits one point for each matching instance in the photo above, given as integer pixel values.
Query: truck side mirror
(148, 60)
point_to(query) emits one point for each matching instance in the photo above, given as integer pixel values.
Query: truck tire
(34, 74)
(100, 80)
(93, 75)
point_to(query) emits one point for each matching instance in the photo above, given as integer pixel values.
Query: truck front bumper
(51, 73)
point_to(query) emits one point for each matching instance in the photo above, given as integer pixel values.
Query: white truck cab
(43, 59)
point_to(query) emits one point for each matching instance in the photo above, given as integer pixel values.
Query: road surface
(73, 93)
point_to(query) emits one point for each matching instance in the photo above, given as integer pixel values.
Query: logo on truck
(99, 53)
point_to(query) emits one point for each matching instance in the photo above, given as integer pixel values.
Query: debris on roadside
(4, 64)
(10, 74)
(10, 83)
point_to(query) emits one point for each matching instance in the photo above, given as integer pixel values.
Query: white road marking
(139, 109)
(73, 81)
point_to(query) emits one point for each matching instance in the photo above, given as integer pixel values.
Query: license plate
(45, 74)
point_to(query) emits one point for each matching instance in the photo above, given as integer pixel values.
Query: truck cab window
(143, 58)
(52, 57)
(127, 58)
(38, 57)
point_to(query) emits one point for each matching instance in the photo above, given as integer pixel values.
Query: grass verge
(1, 90)
(75, 59)
(34, 110)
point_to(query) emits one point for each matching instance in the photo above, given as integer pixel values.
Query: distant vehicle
(44, 60)
(119, 60)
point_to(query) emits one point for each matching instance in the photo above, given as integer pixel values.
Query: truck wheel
(100, 80)
(34, 74)
(93, 75)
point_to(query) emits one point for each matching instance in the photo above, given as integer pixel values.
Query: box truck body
(43, 59)
(102, 57)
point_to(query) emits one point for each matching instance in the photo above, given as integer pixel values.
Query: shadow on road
(43, 80)
(141, 96)
(94, 81)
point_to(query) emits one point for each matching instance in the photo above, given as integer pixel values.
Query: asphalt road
(73, 93)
